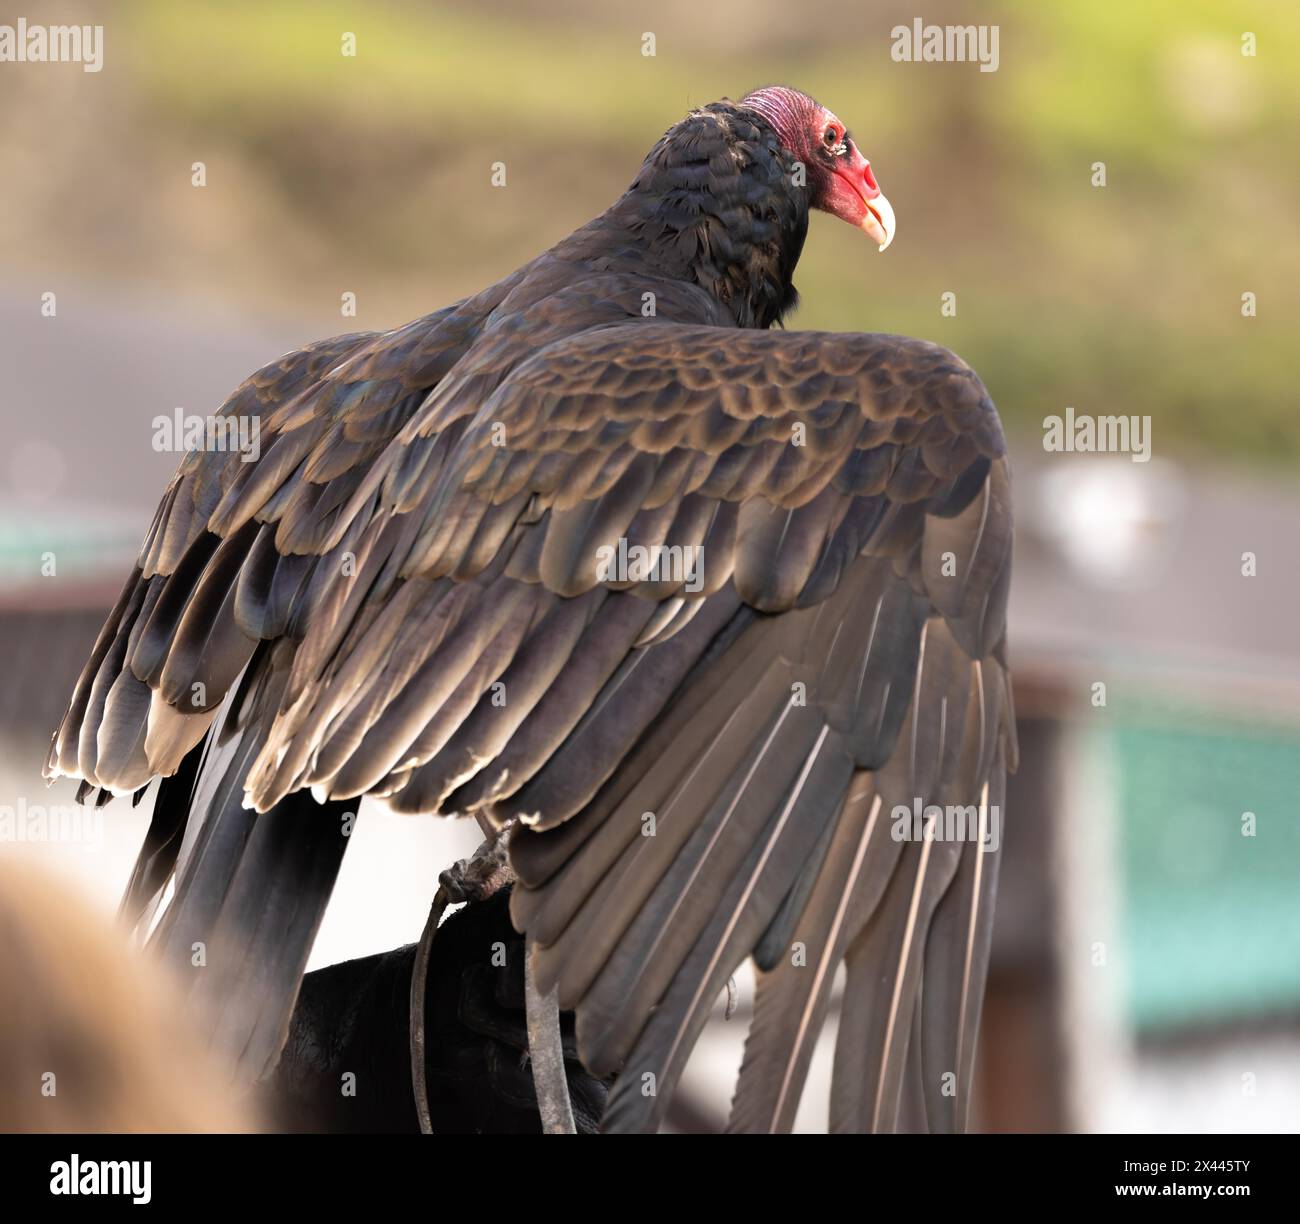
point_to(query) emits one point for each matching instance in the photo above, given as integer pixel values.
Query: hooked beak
(879, 221)
(878, 214)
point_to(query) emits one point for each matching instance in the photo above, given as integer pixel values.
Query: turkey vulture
(701, 610)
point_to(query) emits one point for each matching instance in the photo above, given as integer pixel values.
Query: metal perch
(476, 879)
(547, 1052)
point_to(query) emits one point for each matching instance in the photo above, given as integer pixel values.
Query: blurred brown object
(90, 1039)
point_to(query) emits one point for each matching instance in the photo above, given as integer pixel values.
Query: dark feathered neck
(715, 203)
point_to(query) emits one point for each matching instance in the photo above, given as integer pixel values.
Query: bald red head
(839, 177)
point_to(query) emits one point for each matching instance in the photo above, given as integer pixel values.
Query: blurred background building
(1146, 971)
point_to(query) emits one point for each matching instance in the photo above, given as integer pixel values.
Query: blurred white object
(1114, 521)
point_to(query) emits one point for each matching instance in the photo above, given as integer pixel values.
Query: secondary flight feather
(690, 604)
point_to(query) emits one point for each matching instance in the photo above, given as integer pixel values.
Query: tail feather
(257, 951)
(250, 892)
(157, 858)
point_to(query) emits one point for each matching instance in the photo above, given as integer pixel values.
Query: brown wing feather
(208, 579)
(426, 554)
(635, 931)
(575, 421)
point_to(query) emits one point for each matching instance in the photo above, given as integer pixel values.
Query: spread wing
(706, 759)
(862, 671)
(449, 605)
(244, 542)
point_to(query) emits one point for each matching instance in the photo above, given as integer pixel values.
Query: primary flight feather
(694, 605)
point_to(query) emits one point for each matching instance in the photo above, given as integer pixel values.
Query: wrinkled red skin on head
(838, 184)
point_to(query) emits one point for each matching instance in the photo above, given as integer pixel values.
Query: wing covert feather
(751, 585)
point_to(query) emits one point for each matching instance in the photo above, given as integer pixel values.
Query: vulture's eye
(834, 140)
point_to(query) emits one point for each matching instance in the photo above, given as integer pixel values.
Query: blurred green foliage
(373, 170)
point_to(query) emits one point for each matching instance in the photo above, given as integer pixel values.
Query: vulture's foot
(486, 872)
